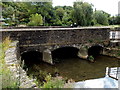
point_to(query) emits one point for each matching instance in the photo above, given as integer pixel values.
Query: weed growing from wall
(8, 81)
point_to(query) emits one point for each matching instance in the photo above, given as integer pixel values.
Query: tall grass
(8, 80)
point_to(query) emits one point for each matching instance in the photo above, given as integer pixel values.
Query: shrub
(35, 20)
(53, 82)
(91, 58)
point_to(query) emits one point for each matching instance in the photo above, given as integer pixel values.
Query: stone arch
(95, 50)
(63, 46)
(64, 52)
(31, 57)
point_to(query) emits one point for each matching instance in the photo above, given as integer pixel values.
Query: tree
(117, 20)
(101, 17)
(25, 10)
(60, 13)
(17, 10)
(82, 13)
(9, 13)
(35, 20)
(112, 20)
(66, 20)
(46, 10)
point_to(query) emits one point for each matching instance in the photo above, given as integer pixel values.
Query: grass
(8, 81)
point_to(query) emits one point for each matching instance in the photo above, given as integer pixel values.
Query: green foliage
(82, 13)
(62, 16)
(91, 58)
(66, 20)
(58, 22)
(101, 18)
(53, 82)
(46, 11)
(8, 81)
(117, 20)
(114, 20)
(60, 12)
(35, 20)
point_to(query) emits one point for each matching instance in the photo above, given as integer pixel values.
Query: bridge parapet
(56, 36)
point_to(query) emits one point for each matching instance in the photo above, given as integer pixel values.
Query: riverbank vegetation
(44, 14)
(7, 79)
(44, 79)
(53, 82)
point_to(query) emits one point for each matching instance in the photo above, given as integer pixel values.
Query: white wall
(115, 36)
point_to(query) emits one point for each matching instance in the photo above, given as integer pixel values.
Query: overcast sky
(109, 6)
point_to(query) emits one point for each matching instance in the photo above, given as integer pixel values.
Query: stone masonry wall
(58, 36)
(42, 38)
(12, 61)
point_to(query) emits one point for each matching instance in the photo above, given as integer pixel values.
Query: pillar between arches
(47, 56)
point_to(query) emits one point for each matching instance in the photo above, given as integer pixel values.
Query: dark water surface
(76, 68)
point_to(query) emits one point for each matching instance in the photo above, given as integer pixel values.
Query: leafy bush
(101, 18)
(8, 81)
(53, 82)
(35, 20)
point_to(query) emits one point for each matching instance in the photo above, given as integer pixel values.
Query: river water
(77, 69)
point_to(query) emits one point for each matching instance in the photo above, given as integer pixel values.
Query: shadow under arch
(95, 50)
(31, 57)
(64, 53)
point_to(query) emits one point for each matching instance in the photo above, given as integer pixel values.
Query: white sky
(109, 6)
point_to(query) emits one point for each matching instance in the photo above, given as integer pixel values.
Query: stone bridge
(47, 40)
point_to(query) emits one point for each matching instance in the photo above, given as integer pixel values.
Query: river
(75, 68)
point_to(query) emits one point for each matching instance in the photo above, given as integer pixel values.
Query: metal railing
(114, 72)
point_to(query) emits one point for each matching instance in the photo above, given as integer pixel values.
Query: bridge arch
(64, 53)
(55, 47)
(95, 50)
(31, 57)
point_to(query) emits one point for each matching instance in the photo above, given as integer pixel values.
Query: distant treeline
(44, 14)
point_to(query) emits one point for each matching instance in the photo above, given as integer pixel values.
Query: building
(115, 35)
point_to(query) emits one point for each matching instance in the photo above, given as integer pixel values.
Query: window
(113, 35)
